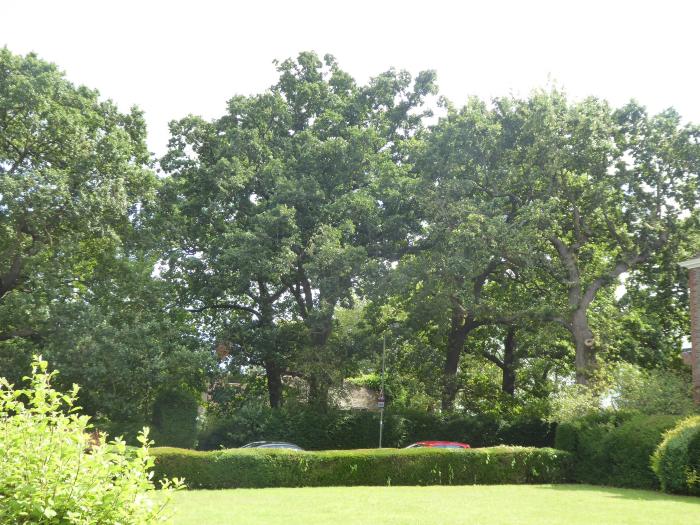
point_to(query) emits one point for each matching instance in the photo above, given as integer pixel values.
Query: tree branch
(226, 306)
(495, 360)
(23, 333)
(574, 278)
(620, 268)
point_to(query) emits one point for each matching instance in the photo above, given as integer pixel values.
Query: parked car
(272, 444)
(438, 444)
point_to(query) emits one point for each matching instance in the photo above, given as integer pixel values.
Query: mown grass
(435, 505)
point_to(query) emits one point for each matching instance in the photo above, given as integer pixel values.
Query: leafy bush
(574, 402)
(51, 472)
(346, 429)
(250, 468)
(528, 432)
(676, 461)
(631, 446)
(175, 419)
(614, 448)
(653, 391)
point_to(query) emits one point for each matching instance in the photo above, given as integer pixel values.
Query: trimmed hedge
(249, 468)
(676, 461)
(614, 448)
(345, 429)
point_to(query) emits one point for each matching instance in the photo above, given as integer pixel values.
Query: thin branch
(495, 360)
(226, 306)
(21, 333)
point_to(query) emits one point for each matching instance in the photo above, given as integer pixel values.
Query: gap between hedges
(236, 468)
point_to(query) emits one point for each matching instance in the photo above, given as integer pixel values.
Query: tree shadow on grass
(616, 492)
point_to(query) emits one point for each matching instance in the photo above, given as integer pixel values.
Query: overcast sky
(172, 58)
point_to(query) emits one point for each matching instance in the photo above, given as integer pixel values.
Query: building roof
(691, 263)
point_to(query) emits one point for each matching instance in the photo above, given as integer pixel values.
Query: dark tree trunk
(459, 329)
(509, 358)
(318, 392)
(274, 383)
(319, 380)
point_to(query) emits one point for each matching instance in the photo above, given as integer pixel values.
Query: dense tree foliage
(277, 207)
(75, 277)
(503, 250)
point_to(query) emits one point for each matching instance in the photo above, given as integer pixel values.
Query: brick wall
(694, 283)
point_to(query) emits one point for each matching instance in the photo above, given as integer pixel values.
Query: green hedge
(345, 429)
(249, 468)
(676, 461)
(614, 448)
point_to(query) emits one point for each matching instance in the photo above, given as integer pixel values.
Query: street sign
(380, 402)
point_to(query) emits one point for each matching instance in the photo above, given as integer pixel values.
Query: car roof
(442, 443)
(262, 443)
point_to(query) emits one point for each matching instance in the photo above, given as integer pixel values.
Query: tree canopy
(502, 249)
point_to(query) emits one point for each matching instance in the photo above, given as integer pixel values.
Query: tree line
(501, 247)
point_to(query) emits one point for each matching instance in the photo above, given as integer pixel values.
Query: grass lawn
(472, 505)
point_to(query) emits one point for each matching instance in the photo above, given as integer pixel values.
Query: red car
(438, 444)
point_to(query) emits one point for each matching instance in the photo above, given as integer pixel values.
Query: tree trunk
(319, 379)
(585, 348)
(318, 392)
(274, 383)
(509, 352)
(459, 329)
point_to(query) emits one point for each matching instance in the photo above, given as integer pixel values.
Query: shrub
(477, 431)
(51, 472)
(676, 461)
(653, 391)
(614, 448)
(631, 446)
(250, 468)
(347, 429)
(528, 432)
(175, 419)
(575, 402)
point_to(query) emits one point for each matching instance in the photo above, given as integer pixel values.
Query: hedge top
(256, 468)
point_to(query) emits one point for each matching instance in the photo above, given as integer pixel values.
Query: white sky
(176, 57)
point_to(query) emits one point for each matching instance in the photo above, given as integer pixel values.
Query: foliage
(126, 347)
(343, 429)
(293, 233)
(614, 448)
(573, 402)
(372, 380)
(676, 461)
(73, 177)
(277, 468)
(51, 472)
(627, 388)
(308, 427)
(77, 276)
(272, 210)
(175, 419)
(525, 431)
(651, 391)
